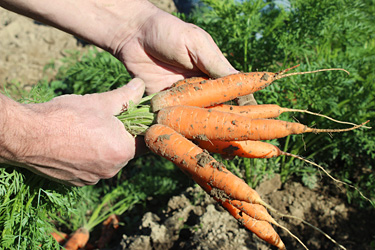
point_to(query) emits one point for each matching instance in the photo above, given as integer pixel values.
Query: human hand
(165, 49)
(77, 139)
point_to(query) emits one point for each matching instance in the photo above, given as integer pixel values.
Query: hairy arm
(78, 139)
(14, 118)
(72, 139)
(155, 46)
(102, 22)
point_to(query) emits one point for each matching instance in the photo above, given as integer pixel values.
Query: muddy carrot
(198, 164)
(261, 228)
(246, 149)
(78, 239)
(215, 91)
(254, 217)
(202, 168)
(206, 124)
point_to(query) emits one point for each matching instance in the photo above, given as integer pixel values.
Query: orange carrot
(211, 175)
(78, 239)
(247, 149)
(249, 214)
(196, 79)
(252, 111)
(256, 211)
(206, 124)
(60, 237)
(243, 212)
(198, 164)
(264, 111)
(215, 91)
(262, 229)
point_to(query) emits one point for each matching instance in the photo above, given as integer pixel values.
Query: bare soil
(193, 220)
(27, 46)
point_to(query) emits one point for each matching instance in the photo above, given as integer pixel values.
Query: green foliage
(94, 72)
(271, 36)
(26, 202)
(100, 201)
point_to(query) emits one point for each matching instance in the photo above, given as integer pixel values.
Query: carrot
(78, 239)
(196, 79)
(261, 228)
(60, 237)
(255, 211)
(215, 91)
(264, 111)
(206, 124)
(247, 149)
(212, 175)
(198, 164)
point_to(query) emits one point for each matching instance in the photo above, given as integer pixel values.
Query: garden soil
(193, 220)
(190, 220)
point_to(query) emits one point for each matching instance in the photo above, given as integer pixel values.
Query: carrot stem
(138, 118)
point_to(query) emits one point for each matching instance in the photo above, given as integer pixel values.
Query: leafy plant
(93, 72)
(26, 202)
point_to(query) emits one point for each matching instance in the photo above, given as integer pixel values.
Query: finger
(208, 57)
(116, 100)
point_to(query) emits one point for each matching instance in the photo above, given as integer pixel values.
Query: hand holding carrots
(166, 49)
(72, 139)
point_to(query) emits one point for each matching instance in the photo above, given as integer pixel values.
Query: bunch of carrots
(190, 120)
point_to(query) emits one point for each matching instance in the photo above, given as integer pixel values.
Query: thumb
(119, 98)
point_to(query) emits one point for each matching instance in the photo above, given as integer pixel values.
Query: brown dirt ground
(191, 220)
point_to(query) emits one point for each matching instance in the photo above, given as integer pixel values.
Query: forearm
(106, 24)
(12, 131)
